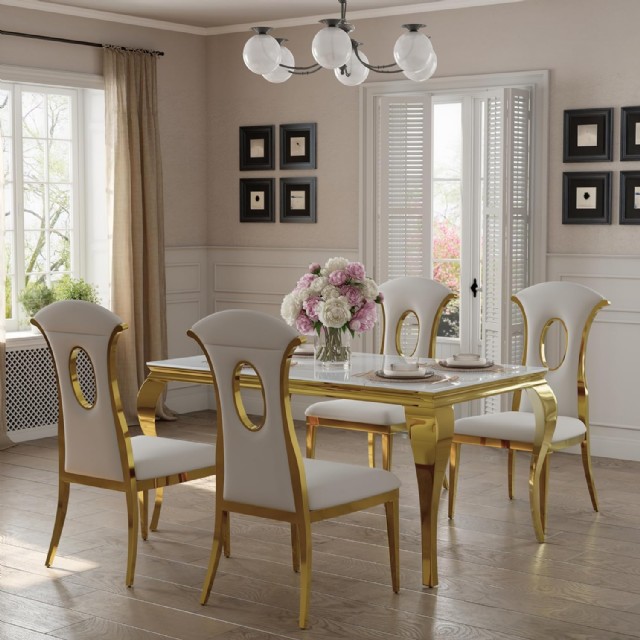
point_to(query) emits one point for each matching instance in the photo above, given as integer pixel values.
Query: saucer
(421, 374)
(465, 365)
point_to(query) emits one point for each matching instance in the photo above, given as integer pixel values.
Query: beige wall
(181, 95)
(588, 45)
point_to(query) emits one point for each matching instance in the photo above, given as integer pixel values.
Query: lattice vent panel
(32, 394)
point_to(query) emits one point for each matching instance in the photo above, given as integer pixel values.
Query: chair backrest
(575, 307)
(423, 297)
(261, 463)
(82, 339)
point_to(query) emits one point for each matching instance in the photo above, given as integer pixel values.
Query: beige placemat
(494, 368)
(374, 377)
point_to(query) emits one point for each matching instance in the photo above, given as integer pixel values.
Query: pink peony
(337, 278)
(314, 268)
(305, 281)
(310, 305)
(352, 294)
(355, 271)
(304, 324)
(365, 318)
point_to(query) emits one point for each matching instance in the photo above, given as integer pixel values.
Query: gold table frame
(429, 411)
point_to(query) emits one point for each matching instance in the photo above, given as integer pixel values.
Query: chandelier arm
(312, 68)
(382, 68)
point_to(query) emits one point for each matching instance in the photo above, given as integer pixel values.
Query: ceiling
(209, 17)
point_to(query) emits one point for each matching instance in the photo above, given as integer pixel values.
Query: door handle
(475, 288)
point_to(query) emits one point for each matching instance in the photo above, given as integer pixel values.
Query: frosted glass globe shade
(357, 71)
(412, 51)
(331, 47)
(426, 73)
(281, 74)
(261, 53)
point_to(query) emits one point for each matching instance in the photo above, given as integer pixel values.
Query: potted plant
(35, 296)
(68, 288)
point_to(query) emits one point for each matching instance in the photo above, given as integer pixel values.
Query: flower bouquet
(336, 302)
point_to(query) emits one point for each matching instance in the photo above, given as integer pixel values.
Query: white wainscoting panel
(614, 349)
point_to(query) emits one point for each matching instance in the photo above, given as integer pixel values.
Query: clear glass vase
(333, 348)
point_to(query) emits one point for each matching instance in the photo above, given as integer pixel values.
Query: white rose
(330, 292)
(334, 264)
(335, 312)
(317, 286)
(369, 289)
(291, 307)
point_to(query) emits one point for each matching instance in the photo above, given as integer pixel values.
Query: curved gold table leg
(148, 396)
(545, 409)
(431, 434)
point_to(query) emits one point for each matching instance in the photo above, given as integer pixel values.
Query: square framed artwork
(630, 197)
(587, 135)
(630, 133)
(298, 199)
(298, 146)
(586, 197)
(257, 200)
(257, 152)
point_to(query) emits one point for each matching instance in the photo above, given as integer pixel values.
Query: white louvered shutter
(506, 232)
(404, 196)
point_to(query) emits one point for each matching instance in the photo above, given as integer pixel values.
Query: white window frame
(89, 244)
(536, 81)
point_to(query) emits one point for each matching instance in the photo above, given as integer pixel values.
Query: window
(48, 135)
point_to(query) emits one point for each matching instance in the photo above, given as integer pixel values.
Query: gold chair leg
(588, 472)
(311, 437)
(155, 519)
(132, 548)
(392, 510)
(226, 546)
(512, 472)
(61, 512)
(295, 547)
(304, 541)
(454, 460)
(387, 450)
(371, 440)
(143, 507)
(544, 491)
(445, 482)
(214, 559)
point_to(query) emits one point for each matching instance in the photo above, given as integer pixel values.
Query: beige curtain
(4, 438)
(135, 186)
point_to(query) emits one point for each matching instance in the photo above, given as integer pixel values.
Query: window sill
(24, 339)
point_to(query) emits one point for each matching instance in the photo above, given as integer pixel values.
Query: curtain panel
(136, 207)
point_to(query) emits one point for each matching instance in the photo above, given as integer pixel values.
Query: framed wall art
(298, 146)
(630, 133)
(257, 151)
(586, 197)
(298, 199)
(630, 197)
(587, 135)
(257, 200)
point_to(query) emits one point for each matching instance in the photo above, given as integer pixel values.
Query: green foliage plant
(68, 288)
(35, 296)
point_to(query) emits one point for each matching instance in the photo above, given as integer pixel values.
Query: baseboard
(34, 433)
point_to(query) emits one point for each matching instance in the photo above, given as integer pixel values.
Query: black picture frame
(257, 200)
(298, 146)
(298, 199)
(630, 197)
(257, 148)
(586, 197)
(630, 133)
(587, 135)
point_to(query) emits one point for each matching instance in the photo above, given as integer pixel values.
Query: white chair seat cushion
(518, 426)
(158, 457)
(333, 483)
(357, 411)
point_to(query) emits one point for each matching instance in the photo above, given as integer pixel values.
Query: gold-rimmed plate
(421, 375)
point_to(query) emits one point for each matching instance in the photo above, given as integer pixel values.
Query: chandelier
(333, 48)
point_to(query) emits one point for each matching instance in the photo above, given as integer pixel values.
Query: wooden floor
(496, 582)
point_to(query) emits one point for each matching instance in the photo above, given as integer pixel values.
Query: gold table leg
(431, 434)
(148, 396)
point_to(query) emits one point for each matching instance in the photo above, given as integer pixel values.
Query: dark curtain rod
(67, 41)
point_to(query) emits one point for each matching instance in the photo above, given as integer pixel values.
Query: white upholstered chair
(422, 297)
(94, 444)
(261, 471)
(573, 307)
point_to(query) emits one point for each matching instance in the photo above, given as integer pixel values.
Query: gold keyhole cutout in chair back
(239, 401)
(554, 342)
(407, 333)
(84, 386)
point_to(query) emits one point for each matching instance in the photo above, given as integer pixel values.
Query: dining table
(429, 411)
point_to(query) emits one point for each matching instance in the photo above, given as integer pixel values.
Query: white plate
(465, 365)
(421, 374)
